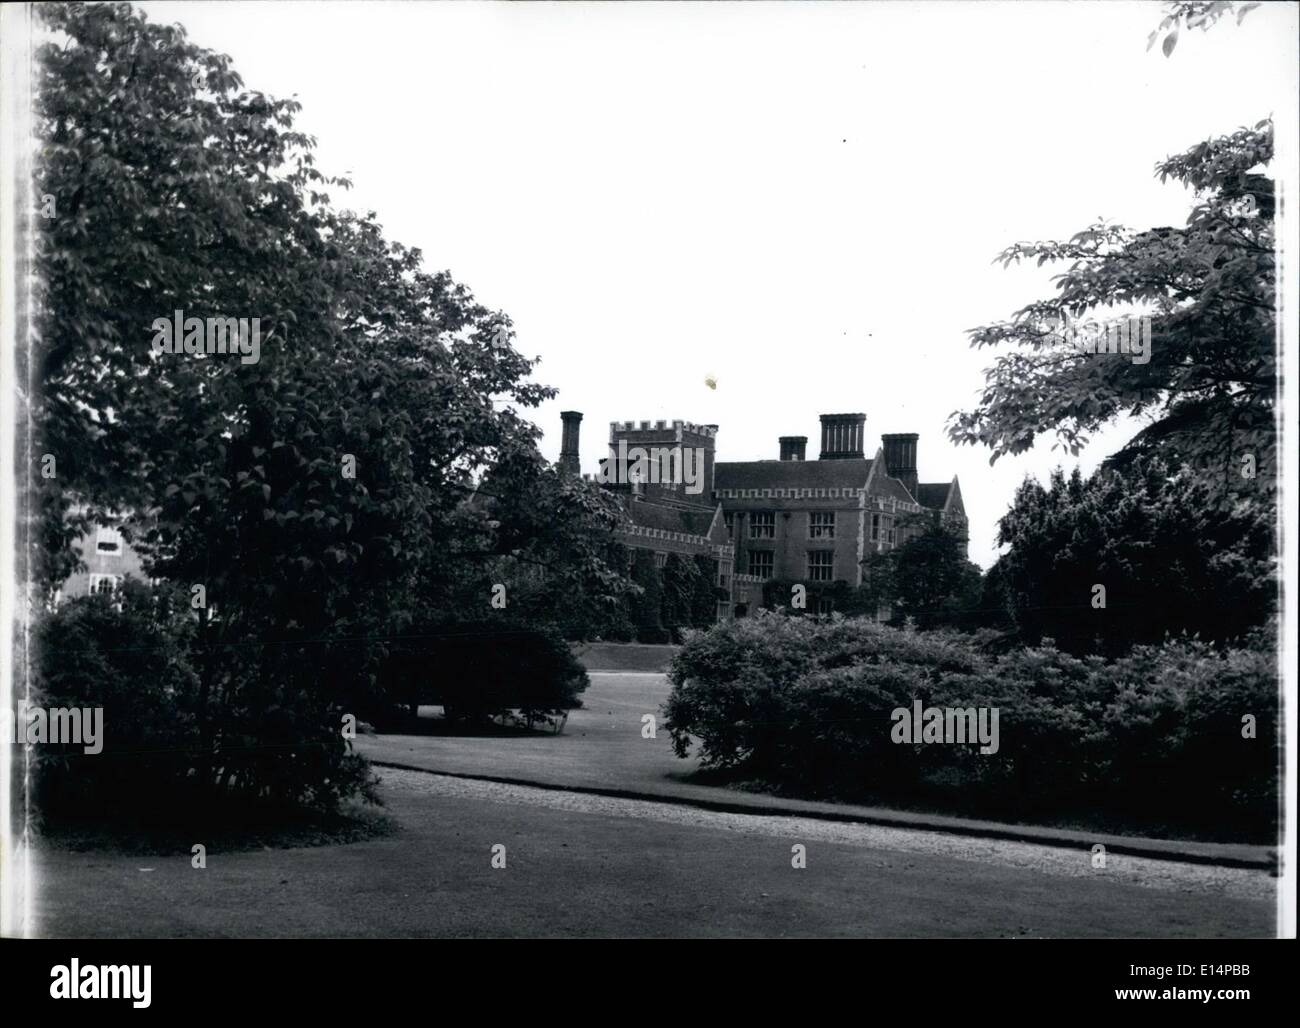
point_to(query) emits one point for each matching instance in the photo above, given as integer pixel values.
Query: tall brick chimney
(900, 458)
(569, 460)
(843, 436)
(793, 447)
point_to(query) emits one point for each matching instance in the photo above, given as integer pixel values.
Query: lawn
(604, 656)
(574, 874)
(602, 747)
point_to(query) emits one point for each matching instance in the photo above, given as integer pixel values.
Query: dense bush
(134, 663)
(476, 669)
(171, 741)
(806, 704)
(1170, 557)
(1177, 724)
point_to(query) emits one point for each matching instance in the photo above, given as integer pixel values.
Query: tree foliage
(927, 579)
(1195, 15)
(1207, 390)
(324, 496)
(1168, 559)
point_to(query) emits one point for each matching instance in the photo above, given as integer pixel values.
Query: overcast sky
(800, 200)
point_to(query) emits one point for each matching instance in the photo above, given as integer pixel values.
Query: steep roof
(791, 474)
(884, 485)
(670, 519)
(933, 494)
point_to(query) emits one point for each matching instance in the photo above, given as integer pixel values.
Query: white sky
(802, 200)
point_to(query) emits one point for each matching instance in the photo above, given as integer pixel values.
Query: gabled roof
(933, 494)
(791, 474)
(884, 485)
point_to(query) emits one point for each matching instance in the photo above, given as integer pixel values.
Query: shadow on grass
(221, 830)
(1116, 820)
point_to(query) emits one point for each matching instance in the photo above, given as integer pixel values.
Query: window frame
(825, 564)
(98, 579)
(762, 524)
(826, 531)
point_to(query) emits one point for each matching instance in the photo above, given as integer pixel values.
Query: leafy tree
(994, 610)
(927, 579)
(1198, 15)
(1167, 558)
(934, 578)
(1207, 387)
(323, 497)
(549, 539)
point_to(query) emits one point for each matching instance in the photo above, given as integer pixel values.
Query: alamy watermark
(655, 465)
(195, 336)
(77, 726)
(959, 725)
(108, 981)
(1130, 336)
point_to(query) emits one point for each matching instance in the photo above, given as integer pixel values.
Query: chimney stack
(569, 460)
(900, 458)
(793, 447)
(843, 436)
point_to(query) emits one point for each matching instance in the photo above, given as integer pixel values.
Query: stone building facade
(811, 521)
(669, 503)
(799, 520)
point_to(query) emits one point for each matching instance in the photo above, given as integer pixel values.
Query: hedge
(806, 705)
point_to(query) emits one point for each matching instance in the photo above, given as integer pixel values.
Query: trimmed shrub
(741, 686)
(1157, 735)
(477, 669)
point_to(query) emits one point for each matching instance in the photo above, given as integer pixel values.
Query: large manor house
(799, 520)
(794, 519)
